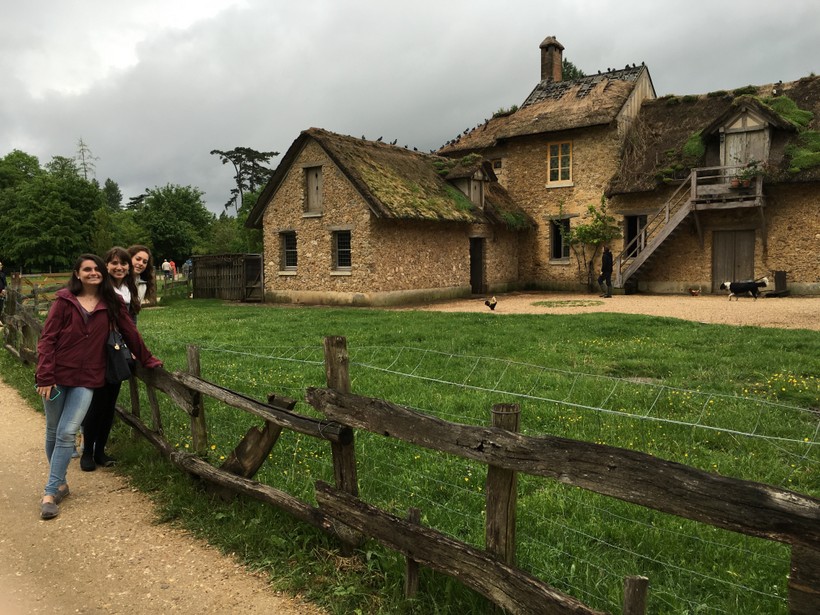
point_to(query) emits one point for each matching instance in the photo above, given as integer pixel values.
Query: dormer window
(472, 187)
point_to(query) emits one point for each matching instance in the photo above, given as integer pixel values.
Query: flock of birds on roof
(393, 142)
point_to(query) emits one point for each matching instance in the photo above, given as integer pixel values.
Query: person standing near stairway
(605, 279)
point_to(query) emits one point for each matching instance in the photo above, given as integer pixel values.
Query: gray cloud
(152, 92)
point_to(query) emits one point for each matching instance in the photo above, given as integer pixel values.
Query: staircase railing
(656, 230)
(703, 184)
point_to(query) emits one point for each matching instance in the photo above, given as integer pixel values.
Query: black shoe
(49, 510)
(87, 463)
(104, 461)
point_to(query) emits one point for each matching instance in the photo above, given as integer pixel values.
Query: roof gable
(664, 126)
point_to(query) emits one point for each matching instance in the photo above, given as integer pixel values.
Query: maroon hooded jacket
(71, 351)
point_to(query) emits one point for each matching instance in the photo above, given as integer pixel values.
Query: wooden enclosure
(234, 277)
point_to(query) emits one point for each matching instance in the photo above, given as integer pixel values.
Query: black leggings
(99, 419)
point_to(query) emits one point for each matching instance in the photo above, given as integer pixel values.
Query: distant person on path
(166, 269)
(173, 270)
(100, 416)
(142, 264)
(71, 363)
(605, 279)
(2, 289)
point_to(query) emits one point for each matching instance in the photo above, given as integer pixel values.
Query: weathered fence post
(635, 589)
(337, 372)
(502, 494)
(199, 431)
(804, 581)
(411, 568)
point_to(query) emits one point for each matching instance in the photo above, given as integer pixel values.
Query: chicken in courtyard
(491, 303)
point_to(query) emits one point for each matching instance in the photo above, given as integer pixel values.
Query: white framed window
(559, 164)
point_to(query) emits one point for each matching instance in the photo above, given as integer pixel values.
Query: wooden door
(477, 285)
(733, 257)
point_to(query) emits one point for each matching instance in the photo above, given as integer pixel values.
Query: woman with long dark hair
(143, 269)
(71, 363)
(100, 416)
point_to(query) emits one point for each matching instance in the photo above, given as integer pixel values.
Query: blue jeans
(64, 416)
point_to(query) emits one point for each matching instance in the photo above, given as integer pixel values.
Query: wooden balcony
(706, 188)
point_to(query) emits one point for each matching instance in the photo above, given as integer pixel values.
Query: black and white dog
(747, 287)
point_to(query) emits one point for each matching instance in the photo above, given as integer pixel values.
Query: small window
(313, 190)
(289, 258)
(558, 230)
(341, 250)
(559, 163)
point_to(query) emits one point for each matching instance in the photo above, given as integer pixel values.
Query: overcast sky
(152, 86)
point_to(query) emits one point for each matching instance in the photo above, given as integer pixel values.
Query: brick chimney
(551, 59)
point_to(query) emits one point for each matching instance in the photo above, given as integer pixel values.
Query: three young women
(71, 363)
(100, 416)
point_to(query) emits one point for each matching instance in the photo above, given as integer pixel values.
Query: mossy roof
(552, 107)
(665, 124)
(398, 183)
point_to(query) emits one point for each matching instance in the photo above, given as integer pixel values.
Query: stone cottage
(350, 221)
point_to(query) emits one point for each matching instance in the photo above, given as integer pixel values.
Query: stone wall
(524, 175)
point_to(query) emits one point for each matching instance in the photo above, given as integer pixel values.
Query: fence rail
(738, 505)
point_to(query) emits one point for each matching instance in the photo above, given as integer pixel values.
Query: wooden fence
(742, 506)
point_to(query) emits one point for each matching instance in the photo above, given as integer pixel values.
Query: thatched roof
(398, 183)
(554, 106)
(664, 126)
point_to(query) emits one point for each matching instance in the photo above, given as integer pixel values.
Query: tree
(586, 240)
(86, 161)
(569, 71)
(250, 174)
(176, 220)
(18, 167)
(112, 194)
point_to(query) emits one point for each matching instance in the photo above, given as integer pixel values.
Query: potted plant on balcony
(746, 174)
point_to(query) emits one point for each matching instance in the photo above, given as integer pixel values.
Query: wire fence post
(502, 494)
(635, 589)
(804, 581)
(199, 431)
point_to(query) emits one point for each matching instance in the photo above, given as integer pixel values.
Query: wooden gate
(733, 257)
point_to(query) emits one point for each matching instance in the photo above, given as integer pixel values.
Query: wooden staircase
(706, 188)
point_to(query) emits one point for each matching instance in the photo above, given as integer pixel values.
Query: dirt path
(780, 312)
(105, 553)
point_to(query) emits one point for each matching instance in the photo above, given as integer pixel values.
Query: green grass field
(737, 401)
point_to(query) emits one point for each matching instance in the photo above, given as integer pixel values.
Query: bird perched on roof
(491, 303)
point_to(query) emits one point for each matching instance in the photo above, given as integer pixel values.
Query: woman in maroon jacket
(71, 363)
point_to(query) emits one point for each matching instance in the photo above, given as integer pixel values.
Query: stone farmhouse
(349, 221)
(356, 222)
